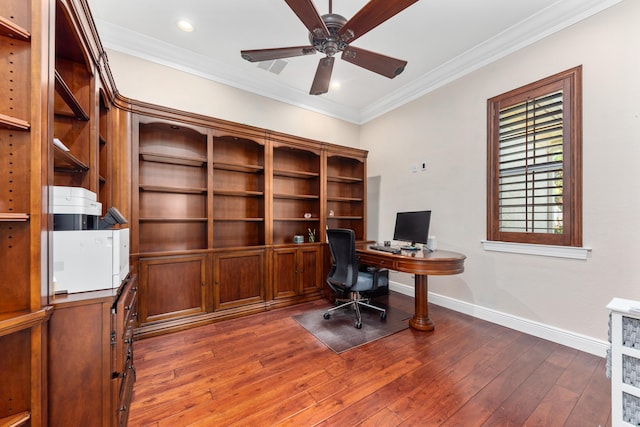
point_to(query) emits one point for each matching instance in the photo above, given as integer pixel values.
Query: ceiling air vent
(275, 66)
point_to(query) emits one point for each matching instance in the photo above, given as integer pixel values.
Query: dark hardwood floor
(267, 370)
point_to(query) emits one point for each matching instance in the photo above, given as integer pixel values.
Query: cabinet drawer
(124, 320)
(125, 383)
(130, 305)
(376, 261)
(131, 313)
(126, 391)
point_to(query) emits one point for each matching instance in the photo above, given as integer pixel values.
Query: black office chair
(345, 276)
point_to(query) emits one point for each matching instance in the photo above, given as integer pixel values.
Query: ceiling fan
(332, 33)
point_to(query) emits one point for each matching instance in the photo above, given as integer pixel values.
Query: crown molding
(550, 20)
(557, 17)
(132, 43)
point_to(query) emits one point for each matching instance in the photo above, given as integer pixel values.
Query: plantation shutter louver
(534, 162)
(530, 166)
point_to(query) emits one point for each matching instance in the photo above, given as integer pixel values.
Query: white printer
(89, 260)
(75, 208)
(86, 258)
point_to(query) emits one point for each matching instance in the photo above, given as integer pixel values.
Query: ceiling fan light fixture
(185, 25)
(332, 33)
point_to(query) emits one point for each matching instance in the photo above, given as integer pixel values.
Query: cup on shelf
(307, 215)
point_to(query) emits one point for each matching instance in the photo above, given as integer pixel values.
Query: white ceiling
(441, 39)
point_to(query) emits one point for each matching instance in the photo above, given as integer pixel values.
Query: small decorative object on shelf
(312, 235)
(307, 215)
(298, 238)
(331, 213)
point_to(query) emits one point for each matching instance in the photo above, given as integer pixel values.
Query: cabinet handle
(123, 408)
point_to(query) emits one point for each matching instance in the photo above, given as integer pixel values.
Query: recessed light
(185, 25)
(335, 84)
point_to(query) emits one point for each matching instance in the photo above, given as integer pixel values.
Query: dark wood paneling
(171, 287)
(285, 277)
(79, 378)
(311, 274)
(239, 277)
(15, 368)
(14, 247)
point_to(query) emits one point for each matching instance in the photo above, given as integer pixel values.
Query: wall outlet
(414, 167)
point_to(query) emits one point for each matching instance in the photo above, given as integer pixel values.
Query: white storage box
(75, 200)
(624, 335)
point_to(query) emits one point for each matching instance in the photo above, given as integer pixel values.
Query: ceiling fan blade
(370, 16)
(381, 64)
(258, 55)
(309, 16)
(323, 76)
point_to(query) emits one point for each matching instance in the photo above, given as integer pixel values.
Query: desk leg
(421, 319)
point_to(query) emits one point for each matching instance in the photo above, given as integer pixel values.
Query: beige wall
(447, 128)
(149, 82)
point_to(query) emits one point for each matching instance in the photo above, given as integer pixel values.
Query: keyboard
(389, 249)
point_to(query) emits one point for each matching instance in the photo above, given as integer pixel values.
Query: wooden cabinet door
(285, 272)
(310, 268)
(239, 278)
(296, 270)
(172, 287)
(79, 363)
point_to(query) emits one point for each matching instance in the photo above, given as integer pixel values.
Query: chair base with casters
(357, 299)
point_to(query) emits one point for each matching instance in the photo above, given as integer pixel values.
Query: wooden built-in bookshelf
(216, 209)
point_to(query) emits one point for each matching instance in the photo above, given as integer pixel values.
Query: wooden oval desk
(421, 264)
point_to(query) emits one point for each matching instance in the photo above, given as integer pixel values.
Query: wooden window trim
(571, 81)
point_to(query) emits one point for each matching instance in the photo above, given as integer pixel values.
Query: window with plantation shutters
(534, 163)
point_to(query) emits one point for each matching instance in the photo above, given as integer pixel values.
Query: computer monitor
(412, 227)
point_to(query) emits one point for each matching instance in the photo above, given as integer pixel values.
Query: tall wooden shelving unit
(216, 206)
(105, 160)
(297, 210)
(238, 191)
(54, 84)
(172, 212)
(89, 352)
(346, 191)
(23, 173)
